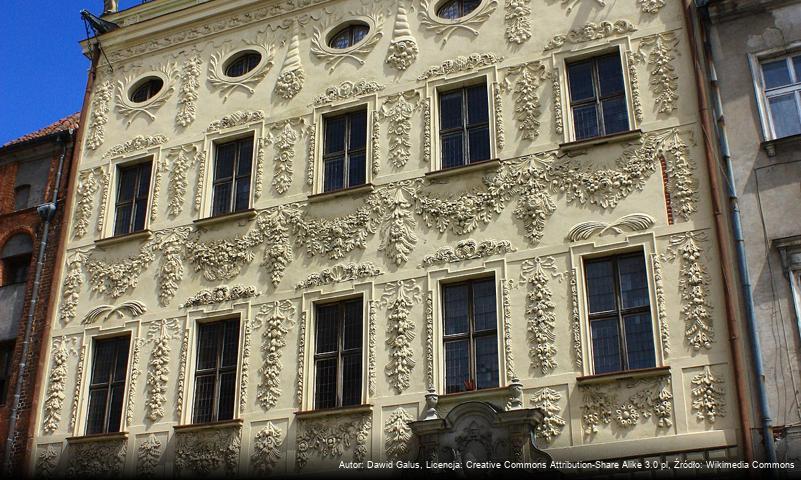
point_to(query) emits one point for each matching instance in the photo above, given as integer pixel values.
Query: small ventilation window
(348, 36)
(242, 63)
(453, 9)
(147, 89)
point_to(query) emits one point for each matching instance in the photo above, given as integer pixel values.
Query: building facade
(756, 50)
(299, 226)
(30, 181)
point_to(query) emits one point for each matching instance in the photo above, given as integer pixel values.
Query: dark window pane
(351, 380)
(358, 130)
(477, 105)
(615, 115)
(479, 144)
(784, 113)
(242, 194)
(640, 341)
(359, 32)
(335, 134)
(450, 10)
(487, 362)
(605, 345)
(226, 157)
(452, 150)
(456, 309)
(580, 80)
(327, 325)
(797, 65)
(325, 384)
(600, 286)
(776, 74)
(243, 64)
(204, 397)
(334, 174)
(122, 221)
(121, 346)
(141, 214)
(225, 410)
(633, 282)
(610, 75)
(104, 363)
(96, 412)
(484, 310)
(207, 346)
(22, 196)
(352, 336)
(585, 119)
(115, 408)
(230, 344)
(357, 173)
(245, 159)
(109, 371)
(457, 370)
(450, 110)
(222, 199)
(127, 184)
(143, 171)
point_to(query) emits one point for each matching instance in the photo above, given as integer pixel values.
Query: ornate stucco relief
(634, 82)
(556, 92)
(347, 90)
(99, 118)
(118, 278)
(571, 4)
(267, 449)
(509, 359)
(429, 318)
(170, 243)
(188, 91)
(63, 348)
(244, 377)
(208, 452)
(372, 307)
(518, 23)
(130, 111)
(643, 399)
(330, 439)
(89, 182)
(445, 28)
(467, 250)
(129, 308)
(136, 144)
(403, 49)
(340, 273)
(301, 357)
(311, 148)
(47, 461)
(235, 119)
(635, 222)
(398, 434)
(202, 166)
(651, 6)
(398, 237)
(399, 298)
(105, 189)
(71, 291)
(159, 334)
(540, 311)
(525, 81)
(180, 384)
(708, 396)
(461, 64)
(358, 53)
(147, 457)
(283, 136)
(398, 109)
(591, 31)
(664, 81)
(98, 459)
(130, 401)
(292, 77)
(500, 125)
(661, 306)
(694, 281)
(575, 321)
(552, 424)
(275, 317)
(375, 144)
(182, 159)
(227, 85)
(78, 384)
(221, 294)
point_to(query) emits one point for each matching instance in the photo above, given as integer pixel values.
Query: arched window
(243, 64)
(348, 36)
(16, 259)
(453, 9)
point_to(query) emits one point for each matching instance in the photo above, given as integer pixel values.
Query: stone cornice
(725, 10)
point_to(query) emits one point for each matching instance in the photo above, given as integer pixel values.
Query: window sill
(473, 394)
(128, 237)
(98, 437)
(359, 190)
(327, 412)
(625, 375)
(248, 214)
(591, 142)
(792, 142)
(464, 169)
(199, 427)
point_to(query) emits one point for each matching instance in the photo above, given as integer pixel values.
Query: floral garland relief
(540, 311)
(274, 317)
(525, 81)
(694, 288)
(399, 298)
(160, 333)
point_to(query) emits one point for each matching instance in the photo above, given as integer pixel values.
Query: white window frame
(756, 61)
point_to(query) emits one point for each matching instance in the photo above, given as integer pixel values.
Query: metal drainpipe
(46, 211)
(739, 240)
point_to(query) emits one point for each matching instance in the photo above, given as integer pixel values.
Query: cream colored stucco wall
(382, 244)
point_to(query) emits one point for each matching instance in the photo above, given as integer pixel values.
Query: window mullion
(465, 130)
(623, 350)
(599, 108)
(346, 150)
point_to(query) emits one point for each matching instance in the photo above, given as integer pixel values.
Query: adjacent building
(33, 174)
(305, 232)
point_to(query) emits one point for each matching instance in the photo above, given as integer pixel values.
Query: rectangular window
(15, 269)
(781, 80)
(464, 126)
(107, 388)
(215, 371)
(471, 335)
(598, 96)
(338, 354)
(133, 190)
(232, 170)
(6, 352)
(345, 151)
(620, 313)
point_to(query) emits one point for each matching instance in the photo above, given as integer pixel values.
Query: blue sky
(44, 72)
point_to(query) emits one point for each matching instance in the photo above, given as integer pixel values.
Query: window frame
(24, 260)
(768, 124)
(620, 313)
(350, 29)
(346, 154)
(598, 100)
(243, 57)
(6, 355)
(147, 83)
(23, 187)
(91, 385)
(465, 127)
(218, 369)
(137, 164)
(340, 352)
(462, 14)
(471, 334)
(233, 180)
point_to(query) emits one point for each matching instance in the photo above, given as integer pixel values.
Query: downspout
(720, 227)
(58, 261)
(739, 242)
(46, 211)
